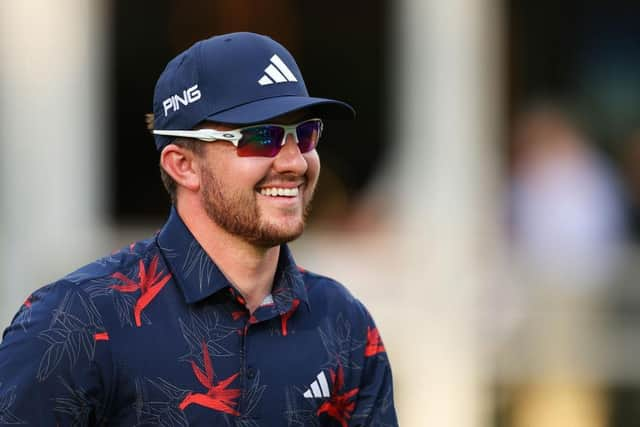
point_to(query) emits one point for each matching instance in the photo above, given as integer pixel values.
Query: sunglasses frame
(235, 135)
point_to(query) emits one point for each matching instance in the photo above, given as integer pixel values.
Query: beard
(238, 214)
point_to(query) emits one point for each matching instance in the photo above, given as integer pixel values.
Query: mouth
(287, 192)
(281, 189)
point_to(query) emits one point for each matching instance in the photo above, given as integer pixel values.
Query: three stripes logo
(319, 388)
(276, 72)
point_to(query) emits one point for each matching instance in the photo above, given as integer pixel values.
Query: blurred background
(485, 204)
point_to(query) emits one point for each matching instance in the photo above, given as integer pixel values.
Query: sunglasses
(263, 140)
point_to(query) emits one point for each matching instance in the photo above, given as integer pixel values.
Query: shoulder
(333, 296)
(125, 259)
(323, 286)
(75, 293)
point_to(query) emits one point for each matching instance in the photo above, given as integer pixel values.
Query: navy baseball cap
(238, 78)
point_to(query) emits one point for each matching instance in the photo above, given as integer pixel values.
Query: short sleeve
(375, 404)
(54, 361)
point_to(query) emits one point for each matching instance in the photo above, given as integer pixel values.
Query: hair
(193, 145)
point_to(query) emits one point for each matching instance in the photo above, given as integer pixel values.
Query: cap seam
(199, 59)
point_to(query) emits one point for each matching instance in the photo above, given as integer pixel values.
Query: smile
(279, 192)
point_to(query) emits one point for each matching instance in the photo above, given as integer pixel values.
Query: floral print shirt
(155, 335)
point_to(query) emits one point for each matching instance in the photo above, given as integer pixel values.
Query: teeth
(286, 192)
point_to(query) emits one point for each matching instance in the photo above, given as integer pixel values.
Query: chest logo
(318, 388)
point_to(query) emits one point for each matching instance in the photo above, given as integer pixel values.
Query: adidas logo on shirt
(277, 72)
(319, 388)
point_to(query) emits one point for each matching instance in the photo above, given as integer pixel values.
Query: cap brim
(269, 108)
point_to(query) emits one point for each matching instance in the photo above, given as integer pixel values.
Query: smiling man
(210, 322)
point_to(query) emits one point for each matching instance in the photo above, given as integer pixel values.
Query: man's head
(252, 180)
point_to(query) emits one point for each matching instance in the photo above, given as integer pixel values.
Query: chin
(276, 234)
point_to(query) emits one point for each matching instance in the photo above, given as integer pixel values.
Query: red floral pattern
(150, 284)
(374, 343)
(217, 397)
(339, 405)
(286, 316)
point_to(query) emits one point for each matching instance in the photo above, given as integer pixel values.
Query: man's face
(240, 194)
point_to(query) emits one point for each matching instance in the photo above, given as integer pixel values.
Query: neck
(249, 268)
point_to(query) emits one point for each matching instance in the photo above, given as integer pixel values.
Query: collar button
(251, 372)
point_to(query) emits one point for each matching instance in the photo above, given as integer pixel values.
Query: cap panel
(177, 97)
(238, 62)
(233, 78)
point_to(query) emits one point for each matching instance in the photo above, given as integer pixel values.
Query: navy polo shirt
(155, 335)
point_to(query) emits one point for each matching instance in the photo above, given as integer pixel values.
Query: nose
(290, 159)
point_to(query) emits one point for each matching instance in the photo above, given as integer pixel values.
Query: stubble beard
(239, 215)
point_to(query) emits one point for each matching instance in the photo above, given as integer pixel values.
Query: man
(210, 322)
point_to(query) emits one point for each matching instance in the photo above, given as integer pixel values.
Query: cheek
(233, 171)
(250, 170)
(313, 165)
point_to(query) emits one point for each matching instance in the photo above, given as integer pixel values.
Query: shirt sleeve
(375, 405)
(51, 372)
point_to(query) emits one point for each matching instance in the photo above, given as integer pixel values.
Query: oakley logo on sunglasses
(189, 96)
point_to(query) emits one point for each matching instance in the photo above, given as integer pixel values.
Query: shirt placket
(248, 371)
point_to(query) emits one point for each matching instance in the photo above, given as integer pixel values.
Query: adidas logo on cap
(277, 72)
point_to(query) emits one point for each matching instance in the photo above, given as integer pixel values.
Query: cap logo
(189, 96)
(276, 72)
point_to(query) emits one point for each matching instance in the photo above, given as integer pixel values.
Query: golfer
(210, 322)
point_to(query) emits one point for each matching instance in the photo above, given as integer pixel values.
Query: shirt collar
(199, 277)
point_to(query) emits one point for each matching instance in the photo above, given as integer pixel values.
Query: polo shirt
(156, 335)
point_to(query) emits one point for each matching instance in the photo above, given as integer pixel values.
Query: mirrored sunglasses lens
(308, 135)
(260, 141)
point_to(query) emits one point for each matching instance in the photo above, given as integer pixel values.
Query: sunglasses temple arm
(202, 134)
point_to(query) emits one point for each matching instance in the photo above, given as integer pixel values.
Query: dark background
(341, 49)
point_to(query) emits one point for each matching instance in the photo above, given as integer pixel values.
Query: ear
(180, 164)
